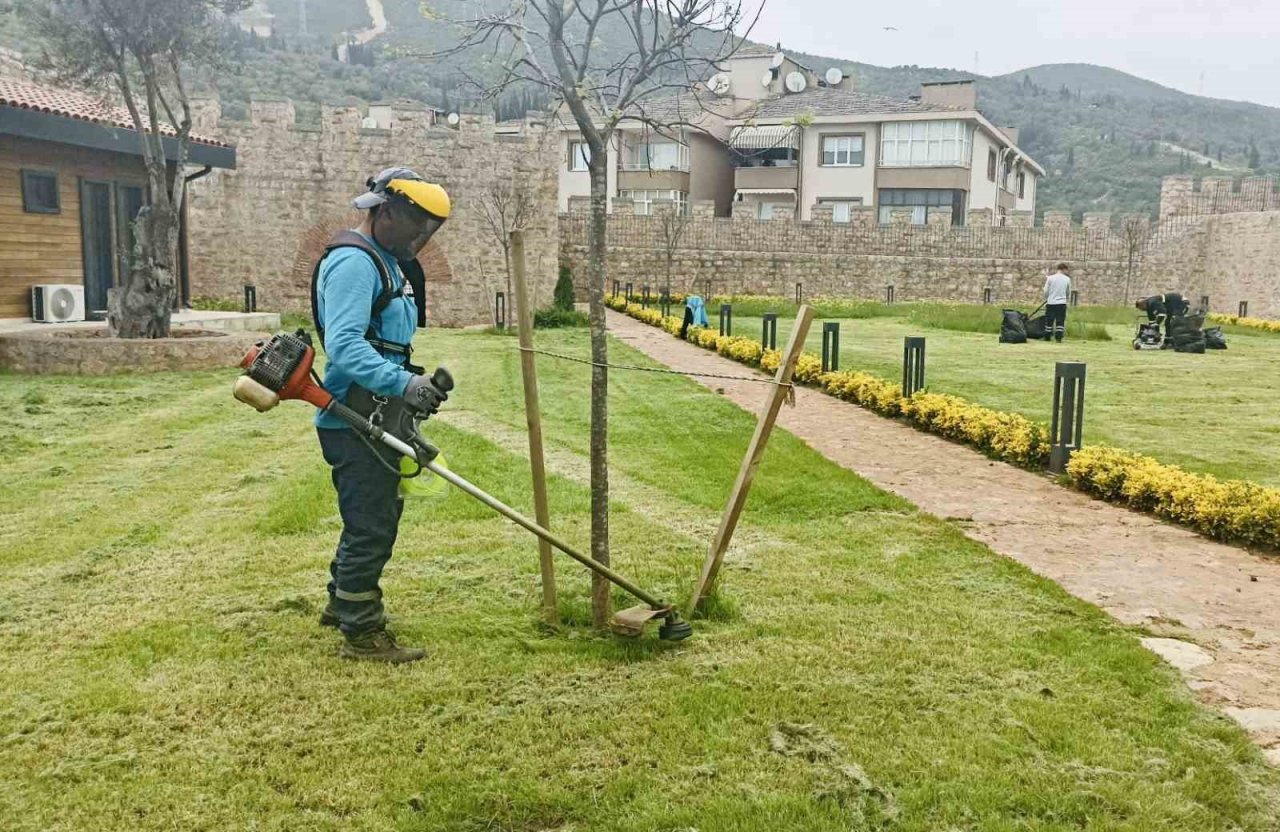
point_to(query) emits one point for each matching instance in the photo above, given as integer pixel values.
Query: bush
(557, 318)
(562, 298)
(1260, 324)
(205, 304)
(1230, 510)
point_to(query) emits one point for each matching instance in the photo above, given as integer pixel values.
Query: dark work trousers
(1055, 321)
(370, 505)
(688, 322)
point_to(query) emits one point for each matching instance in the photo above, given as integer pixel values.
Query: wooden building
(72, 180)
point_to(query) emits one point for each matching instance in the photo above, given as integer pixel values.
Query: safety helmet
(407, 184)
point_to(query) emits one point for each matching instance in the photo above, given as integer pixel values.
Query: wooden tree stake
(755, 452)
(533, 414)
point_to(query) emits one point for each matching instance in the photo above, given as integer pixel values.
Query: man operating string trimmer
(366, 309)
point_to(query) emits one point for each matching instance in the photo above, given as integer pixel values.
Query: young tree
(554, 45)
(674, 223)
(505, 207)
(1134, 233)
(140, 49)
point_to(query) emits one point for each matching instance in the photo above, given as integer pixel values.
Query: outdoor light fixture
(726, 319)
(500, 310)
(1068, 413)
(830, 346)
(769, 337)
(912, 366)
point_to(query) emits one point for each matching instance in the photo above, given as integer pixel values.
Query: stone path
(1214, 608)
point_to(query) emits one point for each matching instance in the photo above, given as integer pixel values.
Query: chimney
(1012, 133)
(962, 94)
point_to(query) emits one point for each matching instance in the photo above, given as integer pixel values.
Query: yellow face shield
(428, 196)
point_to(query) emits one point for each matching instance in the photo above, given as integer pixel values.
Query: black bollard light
(726, 319)
(1075, 298)
(912, 366)
(1244, 309)
(986, 295)
(500, 310)
(616, 287)
(1204, 302)
(628, 293)
(769, 337)
(250, 298)
(1068, 413)
(665, 302)
(830, 346)
(799, 293)
(889, 294)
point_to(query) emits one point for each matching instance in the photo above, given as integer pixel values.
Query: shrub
(562, 297)
(1228, 510)
(1260, 324)
(556, 318)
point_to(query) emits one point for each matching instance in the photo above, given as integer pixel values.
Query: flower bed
(1232, 511)
(1249, 323)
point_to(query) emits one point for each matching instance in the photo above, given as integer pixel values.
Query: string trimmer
(281, 370)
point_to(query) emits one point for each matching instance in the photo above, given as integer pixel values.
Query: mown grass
(164, 554)
(1217, 413)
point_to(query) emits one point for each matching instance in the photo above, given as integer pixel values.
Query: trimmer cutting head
(631, 623)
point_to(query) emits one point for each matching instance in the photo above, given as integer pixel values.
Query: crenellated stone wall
(266, 222)
(1185, 195)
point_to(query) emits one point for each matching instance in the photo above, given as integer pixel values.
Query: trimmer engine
(280, 369)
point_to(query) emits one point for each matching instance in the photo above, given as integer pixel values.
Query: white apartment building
(770, 132)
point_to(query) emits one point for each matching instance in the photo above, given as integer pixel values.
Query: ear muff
(428, 196)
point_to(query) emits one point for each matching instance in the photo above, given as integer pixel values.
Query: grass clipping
(838, 779)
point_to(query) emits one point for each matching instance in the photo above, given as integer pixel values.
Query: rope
(791, 388)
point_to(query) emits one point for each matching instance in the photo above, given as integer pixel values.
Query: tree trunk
(597, 271)
(141, 306)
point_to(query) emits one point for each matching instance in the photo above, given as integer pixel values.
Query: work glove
(425, 395)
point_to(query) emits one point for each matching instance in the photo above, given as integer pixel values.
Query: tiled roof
(825, 101)
(24, 95)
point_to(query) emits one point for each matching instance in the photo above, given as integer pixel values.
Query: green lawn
(164, 552)
(1217, 413)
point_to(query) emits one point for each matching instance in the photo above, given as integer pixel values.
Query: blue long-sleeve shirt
(348, 286)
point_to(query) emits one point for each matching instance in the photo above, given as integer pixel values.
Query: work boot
(379, 646)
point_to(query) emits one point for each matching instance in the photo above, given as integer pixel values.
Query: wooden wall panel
(45, 248)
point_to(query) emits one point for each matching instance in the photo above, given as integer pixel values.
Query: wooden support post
(533, 414)
(755, 453)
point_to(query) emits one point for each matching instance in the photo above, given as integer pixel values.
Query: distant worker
(1164, 308)
(695, 314)
(1057, 292)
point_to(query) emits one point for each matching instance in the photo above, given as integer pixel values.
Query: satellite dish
(766, 80)
(796, 82)
(778, 58)
(369, 123)
(834, 76)
(719, 83)
(454, 119)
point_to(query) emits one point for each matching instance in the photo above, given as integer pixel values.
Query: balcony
(771, 179)
(646, 180)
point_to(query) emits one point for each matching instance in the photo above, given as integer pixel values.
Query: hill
(1106, 137)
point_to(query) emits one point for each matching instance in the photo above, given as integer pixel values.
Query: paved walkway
(1216, 608)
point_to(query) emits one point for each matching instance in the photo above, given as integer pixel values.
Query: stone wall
(860, 259)
(266, 222)
(1184, 195)
(1242, 261)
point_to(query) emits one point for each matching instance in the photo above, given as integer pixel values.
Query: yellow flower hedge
(1228, 510)
(1232, 511)
(1251, 323)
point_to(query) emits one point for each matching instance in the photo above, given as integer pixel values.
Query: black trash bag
(1013, 329)
(1187, 333)
(1037, 329)
(1214, 339)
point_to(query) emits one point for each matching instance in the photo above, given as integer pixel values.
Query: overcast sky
(1233, 43)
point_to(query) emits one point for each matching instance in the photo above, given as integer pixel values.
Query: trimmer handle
(442, 379)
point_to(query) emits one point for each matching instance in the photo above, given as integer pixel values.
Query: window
(843, 151)
(1006, 175)
(1022, 185)
(841, 209)
(657, 156)
(991, 165)
(919, 200)
(925, 144)
(579, 154)
(644, 200)
(40, 193)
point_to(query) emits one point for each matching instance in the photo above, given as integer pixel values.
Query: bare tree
(674, 223)
(139, 48)
(507, 206)
(555, 46)
(1134, 232)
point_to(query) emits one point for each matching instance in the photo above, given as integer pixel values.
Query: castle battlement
(1186, 195)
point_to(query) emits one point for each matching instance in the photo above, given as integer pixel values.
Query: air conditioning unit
(57, 303)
